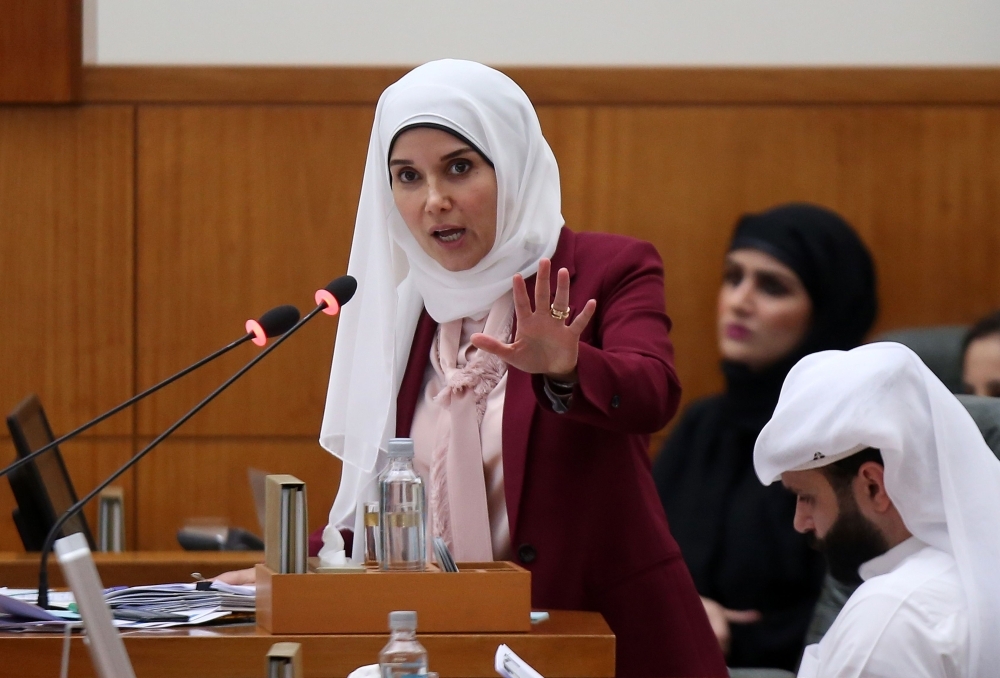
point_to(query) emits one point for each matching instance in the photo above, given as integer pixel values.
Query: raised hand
(544, 343)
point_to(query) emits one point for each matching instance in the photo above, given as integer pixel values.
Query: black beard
(852, 541)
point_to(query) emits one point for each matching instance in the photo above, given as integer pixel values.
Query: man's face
(834, 524)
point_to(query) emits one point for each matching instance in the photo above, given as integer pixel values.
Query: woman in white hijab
(530, 423)
(944, 484)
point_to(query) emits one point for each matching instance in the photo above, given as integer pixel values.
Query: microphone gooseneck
(274, 323)
(342, 289)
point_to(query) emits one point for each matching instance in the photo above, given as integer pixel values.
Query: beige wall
(544, 32)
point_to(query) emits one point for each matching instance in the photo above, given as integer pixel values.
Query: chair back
(985, 412)
(940, 347)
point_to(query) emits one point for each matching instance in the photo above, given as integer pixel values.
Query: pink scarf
(459, 512)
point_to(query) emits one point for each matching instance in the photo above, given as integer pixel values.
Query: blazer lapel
(519, 404)
(413, 379)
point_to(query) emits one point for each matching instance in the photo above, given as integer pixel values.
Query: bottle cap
(401, 448)
(402, 619)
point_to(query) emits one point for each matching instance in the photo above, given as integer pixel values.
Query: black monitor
(41, 487)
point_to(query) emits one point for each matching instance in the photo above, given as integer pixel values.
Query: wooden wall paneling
(88, 461)
(41, 50)
(192, 478)
(66, 249)
(240, 209)
(932, 212)
(552, 84)
(920, 184)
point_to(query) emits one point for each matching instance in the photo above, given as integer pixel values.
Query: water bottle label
(404, 670)
(403, 519)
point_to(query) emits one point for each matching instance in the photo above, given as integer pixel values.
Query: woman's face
(981, 368)
(447, 195)
(764, 310)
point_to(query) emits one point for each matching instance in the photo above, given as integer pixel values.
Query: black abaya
(736, 534)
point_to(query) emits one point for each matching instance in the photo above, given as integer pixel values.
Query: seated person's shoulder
(700, 417)
(912, 621)
(928, 583)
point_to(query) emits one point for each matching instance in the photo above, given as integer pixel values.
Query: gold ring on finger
(557, 314)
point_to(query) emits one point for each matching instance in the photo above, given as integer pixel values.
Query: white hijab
(939, 472)
(396, 278)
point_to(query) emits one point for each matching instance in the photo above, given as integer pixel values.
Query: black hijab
(736, 535)
(837, 272)
(830, 260)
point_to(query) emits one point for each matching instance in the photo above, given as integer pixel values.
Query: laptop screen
(42, 488)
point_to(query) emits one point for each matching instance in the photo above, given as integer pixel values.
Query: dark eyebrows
(454, 154)
(461, 151)
(775, 276)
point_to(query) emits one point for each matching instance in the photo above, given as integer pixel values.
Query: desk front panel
(568, 644)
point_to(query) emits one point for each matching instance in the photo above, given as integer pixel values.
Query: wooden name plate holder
(480, 598)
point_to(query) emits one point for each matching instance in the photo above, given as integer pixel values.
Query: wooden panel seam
(554, 85)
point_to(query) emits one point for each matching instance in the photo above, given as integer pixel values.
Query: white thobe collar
(891, 559)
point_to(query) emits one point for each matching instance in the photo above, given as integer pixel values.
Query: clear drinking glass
(402, 511)
(372, 538)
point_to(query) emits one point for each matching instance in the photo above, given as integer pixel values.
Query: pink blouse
(425, 423)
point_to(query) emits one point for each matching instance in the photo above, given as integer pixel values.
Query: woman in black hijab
(797, 280)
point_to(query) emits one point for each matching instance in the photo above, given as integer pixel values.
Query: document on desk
(509, 665)
(182, 597)
(138, 607)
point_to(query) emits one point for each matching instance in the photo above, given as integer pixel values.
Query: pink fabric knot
(457, 476)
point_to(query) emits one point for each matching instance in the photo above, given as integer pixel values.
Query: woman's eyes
(772, 286)
(460, 166)
(732, 276)
(407, 175)
(766, 283)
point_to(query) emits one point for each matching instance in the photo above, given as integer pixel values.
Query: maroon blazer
(583, 511)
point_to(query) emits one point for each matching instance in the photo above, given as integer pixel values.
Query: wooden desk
(568, 644)
(132, 568)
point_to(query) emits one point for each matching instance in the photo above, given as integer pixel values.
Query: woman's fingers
(583, 317)
(238, 577)
(561, 302)
(485, 342)
(741, 616)
(522, 304)
(542, 286)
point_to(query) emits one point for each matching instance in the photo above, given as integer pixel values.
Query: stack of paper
(136, 607)
(181, 598)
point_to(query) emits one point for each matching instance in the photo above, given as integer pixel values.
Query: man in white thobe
(897, 487)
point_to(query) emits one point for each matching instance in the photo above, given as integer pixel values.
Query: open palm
(543, 344)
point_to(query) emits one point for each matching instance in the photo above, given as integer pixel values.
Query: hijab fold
(396, 278)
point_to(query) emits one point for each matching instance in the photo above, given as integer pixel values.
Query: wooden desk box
(480, 598)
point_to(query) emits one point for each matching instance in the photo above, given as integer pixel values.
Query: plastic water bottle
(403, 656)
(402, 511)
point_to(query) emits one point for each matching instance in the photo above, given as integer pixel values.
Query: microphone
(274, 323)
(328, 300)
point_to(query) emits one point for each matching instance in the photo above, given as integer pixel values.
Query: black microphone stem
(43, 573)
(131, 401)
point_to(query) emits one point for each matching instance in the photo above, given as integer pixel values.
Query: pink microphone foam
(324, 296)
(259, 337)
